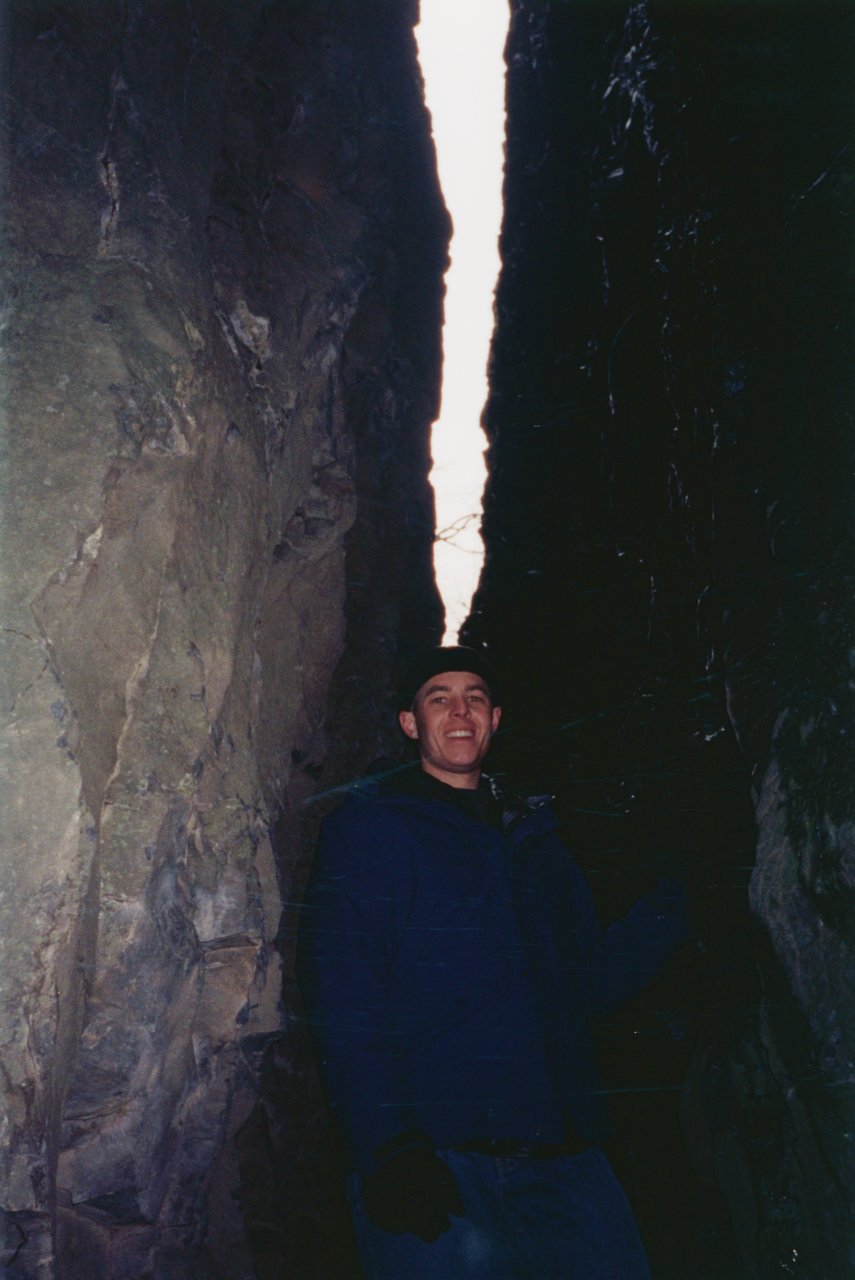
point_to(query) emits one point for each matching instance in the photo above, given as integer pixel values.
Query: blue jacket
(451, 970)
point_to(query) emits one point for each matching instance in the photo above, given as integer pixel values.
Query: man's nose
(461, 708)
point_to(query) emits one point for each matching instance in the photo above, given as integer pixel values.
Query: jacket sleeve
(347, 941)
(618, 964)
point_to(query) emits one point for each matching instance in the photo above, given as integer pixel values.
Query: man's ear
(407, 721)
(497, 715)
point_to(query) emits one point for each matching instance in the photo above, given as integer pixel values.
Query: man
(451, 964)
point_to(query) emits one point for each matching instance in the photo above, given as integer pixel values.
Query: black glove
(412, 1189)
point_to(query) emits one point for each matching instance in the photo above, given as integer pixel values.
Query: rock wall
(220, 302)
(669, 538)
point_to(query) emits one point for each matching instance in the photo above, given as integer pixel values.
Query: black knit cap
(435, 661)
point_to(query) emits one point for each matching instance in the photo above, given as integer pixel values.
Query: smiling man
(452, 965)
(453, 720)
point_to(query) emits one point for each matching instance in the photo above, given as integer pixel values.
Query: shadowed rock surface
(669, 533)
(221, 291)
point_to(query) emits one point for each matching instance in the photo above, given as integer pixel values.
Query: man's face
(453, 719)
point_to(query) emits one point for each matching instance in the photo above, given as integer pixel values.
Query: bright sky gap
(461, 45)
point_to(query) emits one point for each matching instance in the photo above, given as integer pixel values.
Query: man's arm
(347, 942)
(618, 964)
(348, 939)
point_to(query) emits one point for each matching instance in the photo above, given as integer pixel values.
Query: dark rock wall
(669, 537)
(220, 301)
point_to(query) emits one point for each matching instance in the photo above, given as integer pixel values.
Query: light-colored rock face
(200, 214)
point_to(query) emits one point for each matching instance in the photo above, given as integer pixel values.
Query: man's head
(448, 708)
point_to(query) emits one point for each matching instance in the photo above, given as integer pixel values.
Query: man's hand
(412, 1189)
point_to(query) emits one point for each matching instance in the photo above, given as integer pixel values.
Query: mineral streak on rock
(222, 248)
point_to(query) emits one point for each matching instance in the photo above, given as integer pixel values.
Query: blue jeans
(564, 1218)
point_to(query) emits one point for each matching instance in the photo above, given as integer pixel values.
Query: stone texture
(669, 540)
(220, 301)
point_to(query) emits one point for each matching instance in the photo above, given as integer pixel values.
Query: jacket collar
(511, 810)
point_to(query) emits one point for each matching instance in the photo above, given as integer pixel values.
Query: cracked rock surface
(220, 305)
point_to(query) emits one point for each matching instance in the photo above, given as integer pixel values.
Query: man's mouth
(460, 733)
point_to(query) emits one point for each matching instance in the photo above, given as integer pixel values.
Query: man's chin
(458, 765)
(448, 770)
(470, 759)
